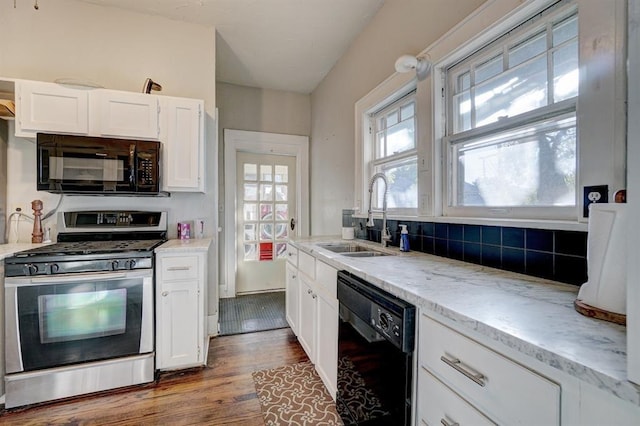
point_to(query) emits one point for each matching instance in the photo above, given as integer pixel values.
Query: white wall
(117, 49)
(399, 27)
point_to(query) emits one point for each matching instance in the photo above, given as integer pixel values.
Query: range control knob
(130, 264)
(385, 320)
(31, 269)
(54, 268)
(114, 265)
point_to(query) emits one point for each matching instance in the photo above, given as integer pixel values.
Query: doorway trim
(259, 143)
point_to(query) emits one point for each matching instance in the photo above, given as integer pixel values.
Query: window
(393, 130)
(511, 140)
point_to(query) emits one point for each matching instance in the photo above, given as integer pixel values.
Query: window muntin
(395, 153)
(511, 120)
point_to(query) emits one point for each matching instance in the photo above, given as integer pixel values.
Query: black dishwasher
(375, 354)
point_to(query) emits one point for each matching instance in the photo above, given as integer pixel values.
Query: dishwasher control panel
(387, 323)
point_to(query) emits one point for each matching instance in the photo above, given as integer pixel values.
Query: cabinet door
(292, 297)
(49, 107)
(307, 321)
(178, 326)
(327, 343)
(184, 147)
(128, 115)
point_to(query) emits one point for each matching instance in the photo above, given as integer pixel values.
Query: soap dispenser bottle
(404, 238)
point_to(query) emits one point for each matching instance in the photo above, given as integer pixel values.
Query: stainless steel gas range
(79, 314)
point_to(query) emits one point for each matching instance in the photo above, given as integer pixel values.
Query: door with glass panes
(265, 216)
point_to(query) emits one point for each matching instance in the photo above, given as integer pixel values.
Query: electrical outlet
(594, 194)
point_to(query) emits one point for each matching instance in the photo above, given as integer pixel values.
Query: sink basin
(366, 254)
(344, 247)
(353, 250)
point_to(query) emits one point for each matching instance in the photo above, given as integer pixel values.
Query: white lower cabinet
(317, 315)
(181, 335)
(439, 405)
(492, 386)
(292, 287)
(307, 320)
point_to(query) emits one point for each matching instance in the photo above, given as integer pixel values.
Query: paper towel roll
(606, 287)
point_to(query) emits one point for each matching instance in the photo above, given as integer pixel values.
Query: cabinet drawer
(292, 255)
(179, 267)
(503, 390)
(327, 279)
(307, 264)
(439, 405)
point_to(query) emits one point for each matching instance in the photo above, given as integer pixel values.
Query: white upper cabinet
(49, 107)
(183, 145)
(127, 115)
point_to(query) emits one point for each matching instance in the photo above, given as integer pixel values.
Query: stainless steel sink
(366, 254)
(344, 247)
(353, 250)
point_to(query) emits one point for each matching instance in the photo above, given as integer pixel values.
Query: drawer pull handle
(456, 365)
(178, 268)
(444, 422)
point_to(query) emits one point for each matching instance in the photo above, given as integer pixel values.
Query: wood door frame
(260, 143)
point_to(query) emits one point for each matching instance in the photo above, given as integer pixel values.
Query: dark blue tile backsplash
(554, 254)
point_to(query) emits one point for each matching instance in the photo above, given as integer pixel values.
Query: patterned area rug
(294, 395)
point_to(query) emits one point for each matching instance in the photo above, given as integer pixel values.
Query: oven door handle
(75, 278)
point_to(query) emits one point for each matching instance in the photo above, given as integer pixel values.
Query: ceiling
(272, 44)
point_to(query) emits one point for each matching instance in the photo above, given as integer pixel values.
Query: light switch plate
(594, 194)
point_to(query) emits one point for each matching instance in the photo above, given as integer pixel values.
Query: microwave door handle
(132, 166)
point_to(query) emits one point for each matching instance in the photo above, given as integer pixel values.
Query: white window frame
(391, 159)
(558, 109)
(600, 105)
(391, 90)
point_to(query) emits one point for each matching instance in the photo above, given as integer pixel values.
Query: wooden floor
(221, 394)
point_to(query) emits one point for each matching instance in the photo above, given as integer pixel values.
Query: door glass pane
(250, 232)
(281, 193)
(281, 250)
(250, 191)
(282, 174)
(282, 211)
(266, 173)
(281, 231)
(266, 192)
(250, 171)
(266, 211)
(250, 252)
(250, 211)
(266, 231)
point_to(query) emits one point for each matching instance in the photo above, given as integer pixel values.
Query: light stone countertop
(7, 250)
(184, 246)
(533, 316)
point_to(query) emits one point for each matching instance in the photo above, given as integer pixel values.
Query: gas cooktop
(90, 248)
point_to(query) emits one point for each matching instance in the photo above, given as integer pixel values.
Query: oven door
(54, 321)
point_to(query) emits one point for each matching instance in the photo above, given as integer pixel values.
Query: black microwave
(92, 165)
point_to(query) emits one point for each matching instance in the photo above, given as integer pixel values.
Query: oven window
(84, 315)
(68, 323)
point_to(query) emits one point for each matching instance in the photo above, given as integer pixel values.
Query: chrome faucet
(385, 236)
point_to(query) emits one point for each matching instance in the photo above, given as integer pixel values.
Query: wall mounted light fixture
(420, 64)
